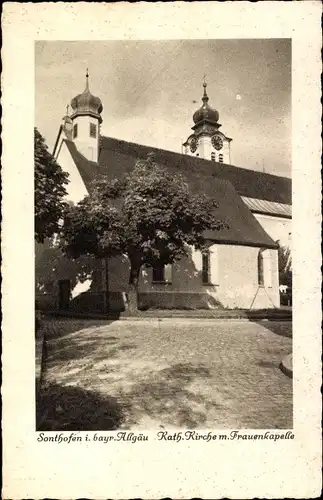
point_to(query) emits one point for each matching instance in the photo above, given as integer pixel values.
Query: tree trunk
(106, 295)
(133, 288)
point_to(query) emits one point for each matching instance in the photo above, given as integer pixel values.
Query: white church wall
(60, 138)
(278, 228)
(233, 281)
(220, 156)
(206, 150)
(238, 282)
(86, 145)
(76, 189)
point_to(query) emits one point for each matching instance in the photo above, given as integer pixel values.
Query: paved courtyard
(150, 374)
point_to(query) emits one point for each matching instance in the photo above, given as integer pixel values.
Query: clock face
(193, 145)
(217, 142)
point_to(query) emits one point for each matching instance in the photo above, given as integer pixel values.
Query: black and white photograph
(161, 257)
(163, 233)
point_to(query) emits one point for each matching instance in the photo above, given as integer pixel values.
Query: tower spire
(205, 97)
(87, 89)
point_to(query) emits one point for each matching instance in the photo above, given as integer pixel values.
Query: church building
(240, 270)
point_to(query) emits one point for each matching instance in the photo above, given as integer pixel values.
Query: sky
(150, 90)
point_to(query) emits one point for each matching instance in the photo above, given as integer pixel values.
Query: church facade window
(220, 158)
(213, 156)
(93, 130)
(162, 273)
(75, 131)
(268, 269)
(261, 280)
(206, 268)
(264, 268)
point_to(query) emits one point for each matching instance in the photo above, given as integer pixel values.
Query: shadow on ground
(269, 364)
(165, 396)
(91, 348)
(67, 408)
(55, 328)
(154, 379)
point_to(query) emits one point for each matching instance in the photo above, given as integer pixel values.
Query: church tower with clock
(207, 141)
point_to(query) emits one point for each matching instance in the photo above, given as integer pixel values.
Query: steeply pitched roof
(87, 169)
(119, 157)
(248, 183)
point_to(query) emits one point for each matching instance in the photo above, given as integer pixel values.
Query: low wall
(178, 300)
(88, 302)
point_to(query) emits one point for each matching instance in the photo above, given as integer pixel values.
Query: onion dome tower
(207, 141)
(86, 120)
(206, 113)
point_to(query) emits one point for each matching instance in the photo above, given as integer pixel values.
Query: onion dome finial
(205, 97)
(87, 103)
(206, 112)
(87, 80)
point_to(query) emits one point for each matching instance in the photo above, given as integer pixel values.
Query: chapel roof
(118, 157)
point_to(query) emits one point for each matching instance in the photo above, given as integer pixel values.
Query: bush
(286, 299)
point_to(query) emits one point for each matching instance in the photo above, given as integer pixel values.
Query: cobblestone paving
(166, 374)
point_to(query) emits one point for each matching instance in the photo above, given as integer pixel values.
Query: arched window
(264, 268)
(261, 281)
(75, 131)
(93, 130)
(206, 268)
(220, 158)
(213, 156)
(268, 272)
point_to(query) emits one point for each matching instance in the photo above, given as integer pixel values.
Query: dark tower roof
(206, 112)
(86, 103)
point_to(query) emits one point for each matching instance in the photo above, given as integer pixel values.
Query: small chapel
(240, 269)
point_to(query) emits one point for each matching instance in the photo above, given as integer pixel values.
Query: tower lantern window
(75, 131)
(92, 130)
